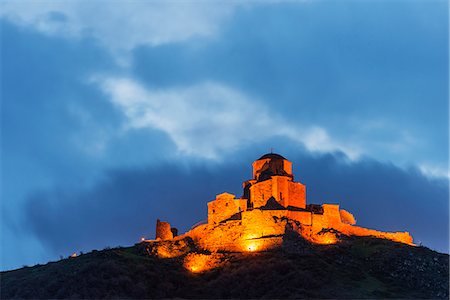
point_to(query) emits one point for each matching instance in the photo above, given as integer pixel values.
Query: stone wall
(224, 206)
(347, 217)
(260, 230)
(282, 188)
(261, 192)
(297, 195)
(259, 166)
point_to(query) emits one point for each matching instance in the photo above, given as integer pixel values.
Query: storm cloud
(125, 204)
(112, 119)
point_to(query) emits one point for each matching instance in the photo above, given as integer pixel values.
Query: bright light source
(252, 247)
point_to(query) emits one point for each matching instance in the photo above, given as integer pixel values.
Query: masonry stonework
(163, 230)
(272, 204)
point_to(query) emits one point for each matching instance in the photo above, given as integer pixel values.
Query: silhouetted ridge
(357, 268)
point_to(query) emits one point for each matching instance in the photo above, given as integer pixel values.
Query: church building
(272, 204)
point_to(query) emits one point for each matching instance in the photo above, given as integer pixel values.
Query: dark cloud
(125, 204)
(334, 65)
(314, 64)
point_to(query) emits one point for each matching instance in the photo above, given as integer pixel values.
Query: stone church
(272, 205)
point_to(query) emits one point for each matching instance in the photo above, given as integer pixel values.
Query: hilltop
(269, 243)
(358, 267)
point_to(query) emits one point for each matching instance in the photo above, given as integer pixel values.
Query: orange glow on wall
(251, 246)
(325, 239)
(272, 205)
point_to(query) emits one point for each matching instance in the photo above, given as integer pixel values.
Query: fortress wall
(318, 222)
(304, 217)
(256, 231)
(226, 236)
(347, 217)
(257, 223)
(259, 230)
(331, 213)
(402, 237)
(297, 194)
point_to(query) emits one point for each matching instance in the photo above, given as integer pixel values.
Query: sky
(116, 113)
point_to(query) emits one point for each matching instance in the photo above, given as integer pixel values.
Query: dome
(271, 156)
(271, 164)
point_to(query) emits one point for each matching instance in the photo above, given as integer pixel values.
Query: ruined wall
(401, 237)
(347, 217)
(163, 230)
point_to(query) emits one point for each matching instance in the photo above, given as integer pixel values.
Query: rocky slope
(355, 268)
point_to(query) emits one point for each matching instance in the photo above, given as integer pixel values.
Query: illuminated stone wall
(282, 188)
(258, 166)
(347, 217)
(224, 206)
(261, 230)
(232, 226)
(163, 230)
(401, 237)
(257, 229)
(297, 195)
(260, 192)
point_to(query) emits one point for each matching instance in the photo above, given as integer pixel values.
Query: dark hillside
(357, 268)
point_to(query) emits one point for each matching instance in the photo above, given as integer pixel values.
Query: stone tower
(273, 180)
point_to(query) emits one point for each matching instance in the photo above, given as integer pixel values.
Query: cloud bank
(120, 26)
(209, 119)
(124, 206)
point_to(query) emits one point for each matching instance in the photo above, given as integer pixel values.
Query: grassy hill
(356, 268)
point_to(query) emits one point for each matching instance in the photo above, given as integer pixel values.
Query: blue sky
(117, 113)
